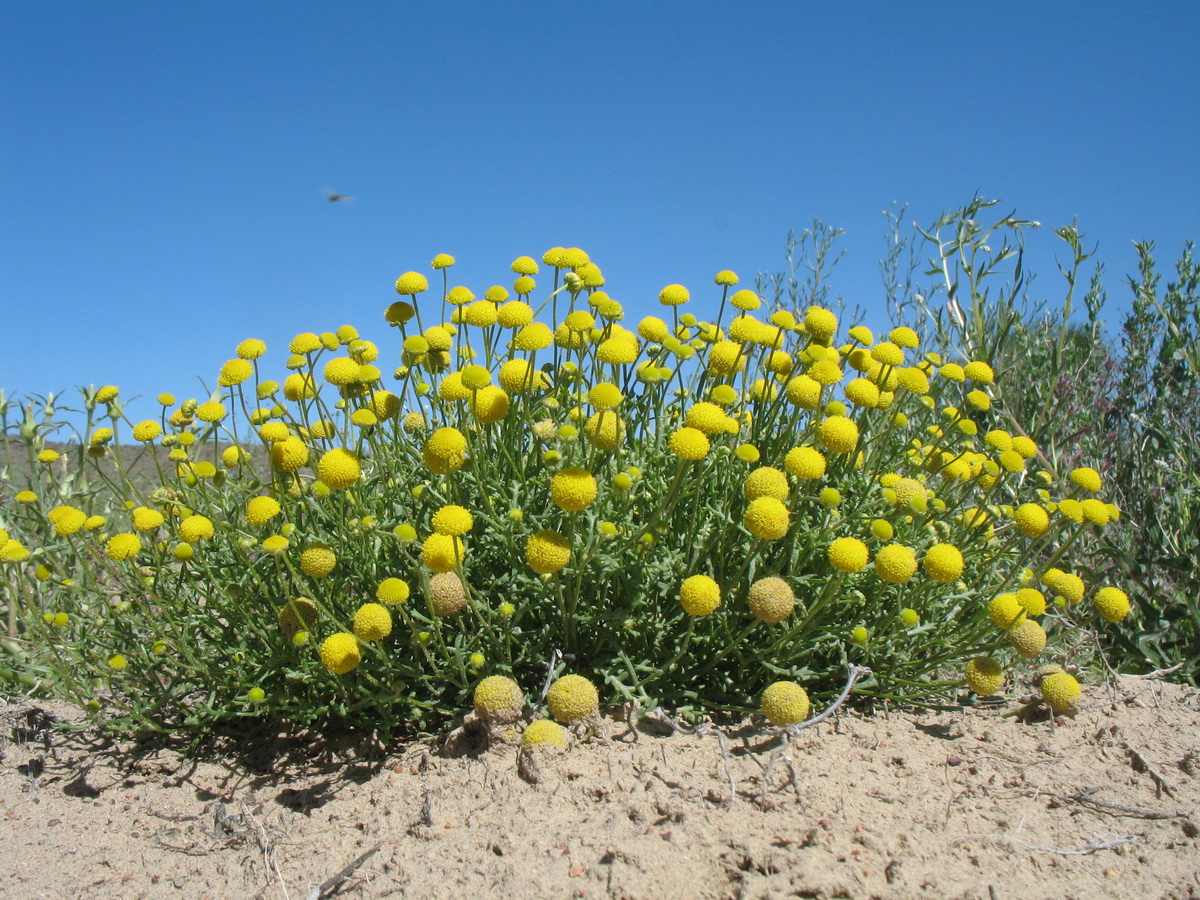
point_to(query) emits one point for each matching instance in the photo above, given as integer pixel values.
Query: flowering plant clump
(700, 509)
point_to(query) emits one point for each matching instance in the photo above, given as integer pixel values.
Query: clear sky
(163, 163)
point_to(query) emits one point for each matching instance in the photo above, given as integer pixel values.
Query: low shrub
(682, 511)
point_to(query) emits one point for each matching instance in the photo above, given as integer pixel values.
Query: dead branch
(330, 886)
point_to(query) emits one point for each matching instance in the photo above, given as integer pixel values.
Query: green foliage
(144, 616)
(1127, 406)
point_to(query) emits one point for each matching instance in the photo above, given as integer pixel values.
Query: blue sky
(163, 164)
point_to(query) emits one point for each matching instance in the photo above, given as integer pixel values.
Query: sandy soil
(969, 804)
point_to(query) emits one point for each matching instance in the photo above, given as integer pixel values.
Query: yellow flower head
(340, 653)
(979, 371)
(399, 313)
(725, 358)
(904, 337)
(1087, 478)
(547, 552)
(235, 371)
(895, 563)
(984, 676)
(543, 734)
(1031, 519)
(68, 520)
(1060, 691)
(653, 329)
(673, 295)
(211, 411)
(525, 265)
(196, 528)
(706, 417)
(518, 376)
(573, 489)
(442, 552)
(481, 314)
(123, 546)
(392, 590)
(1071, 509)
(498, 700)
(410, 283)
(766, 481)
(342, 371)
(604, 396)
(1005, 610)
(767, 518)
(146, 431)
(862, 334)
(298, 386)
(251, 348)
(305, 342)
(1069, 585)
(604, 430)
(445, 451)
(489, 404)
(862, 392)
(1032, 601)
(534, 336)
(572, 699)
(888, 354)
(785, 703)
(1112, 603)
(452, 520)
(1028, 638)
(372, 622)
(699, 595)
(978, 400)
(289, 454)
(726, 278)
(317, 560)
(820, 323)
(807, 463)
(838, 434)
(998, 439)
(1094, 511)
(618, 351)
(339, 468)
(825, 372)
(953, 372)
(848, 554)
(459, 296)
(943, 563)
(689, 443)
(144, 519)
(745, 300)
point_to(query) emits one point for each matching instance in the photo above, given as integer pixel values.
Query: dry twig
(1159, 673)
(330, 886)
(1141, 764)
(1085, 797)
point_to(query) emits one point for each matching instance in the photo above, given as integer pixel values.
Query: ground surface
(940, 805)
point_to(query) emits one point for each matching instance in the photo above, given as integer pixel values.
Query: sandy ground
(969, 804)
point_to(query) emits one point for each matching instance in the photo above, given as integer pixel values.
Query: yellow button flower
(699, 595)
(340, 653)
